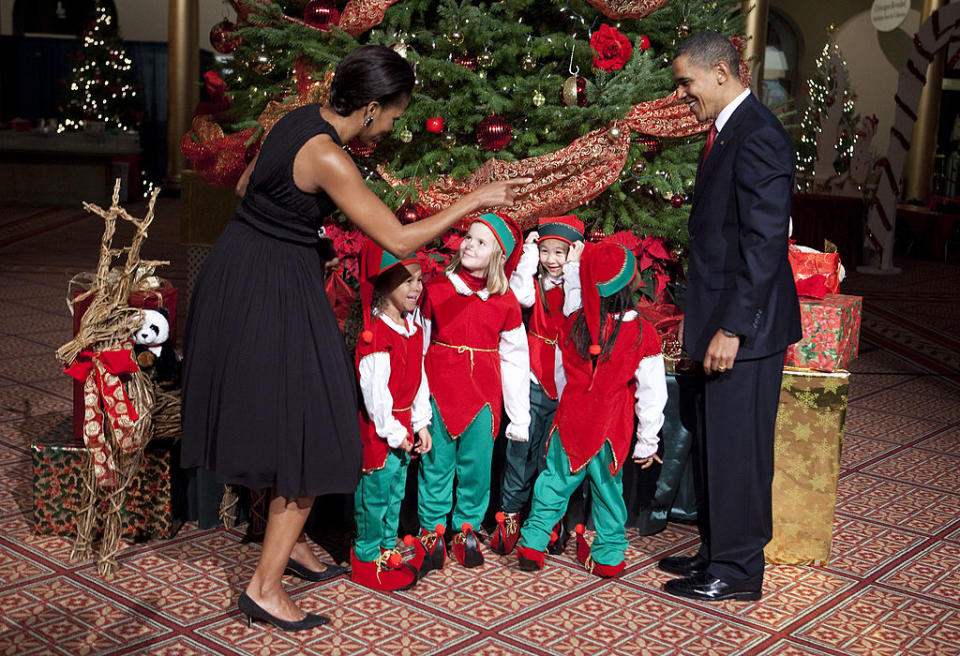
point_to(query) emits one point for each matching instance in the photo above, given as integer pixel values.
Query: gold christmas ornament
(455, 37)
(684, 30)
(528, 63)
(262, 63)
(538, 98)
(449, 139)
(406, 136)
(614, 133)
(639, 167)
(485, 59)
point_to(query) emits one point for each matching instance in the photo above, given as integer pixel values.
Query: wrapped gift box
(165, 296)
(58, 491)
(813, 408)
(831, 333)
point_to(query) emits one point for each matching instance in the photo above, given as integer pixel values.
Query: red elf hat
(605, 269)
(508, 235)
(566, 228)
(374, 261)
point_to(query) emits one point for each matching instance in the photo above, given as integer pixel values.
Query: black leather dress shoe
(683, 565)
(707, 587)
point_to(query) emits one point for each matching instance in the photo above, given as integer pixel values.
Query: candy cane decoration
(940, 31)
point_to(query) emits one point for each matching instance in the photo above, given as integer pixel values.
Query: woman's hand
(498, 194)
(575, 251)
(646, 462)
(426, 442)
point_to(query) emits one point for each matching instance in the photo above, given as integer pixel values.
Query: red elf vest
(463, 359)
(406, 356)
(543, 332)
(585, 418)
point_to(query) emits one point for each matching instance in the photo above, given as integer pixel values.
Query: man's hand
(721, 353)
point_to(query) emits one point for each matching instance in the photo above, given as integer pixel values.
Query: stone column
(183, 64)
(756, 33)
(918, 169)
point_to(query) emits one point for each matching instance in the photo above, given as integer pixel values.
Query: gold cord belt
(402, 409)
(462, 348)
(551, 342)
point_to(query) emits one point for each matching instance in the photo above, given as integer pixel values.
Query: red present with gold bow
(100, 372)
(816, 274)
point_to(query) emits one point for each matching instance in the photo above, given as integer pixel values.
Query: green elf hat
(374, 261)
(508, 235)
(566, 228)
(605, 269)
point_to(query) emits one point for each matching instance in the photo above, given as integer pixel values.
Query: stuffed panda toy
(154, 351)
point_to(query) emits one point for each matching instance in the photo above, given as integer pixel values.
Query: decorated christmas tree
(101, 88)
(577, 94)
(829, 129)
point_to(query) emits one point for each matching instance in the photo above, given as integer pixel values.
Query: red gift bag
(816, 274)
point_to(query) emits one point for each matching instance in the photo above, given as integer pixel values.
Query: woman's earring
(367, 123)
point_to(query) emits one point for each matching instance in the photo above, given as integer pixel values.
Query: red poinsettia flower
(612, 48)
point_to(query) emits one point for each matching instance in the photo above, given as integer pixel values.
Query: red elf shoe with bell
(592, 566)
(466, 547)
(507, 533)
(388, 572)
(530, 560)
(429, 550)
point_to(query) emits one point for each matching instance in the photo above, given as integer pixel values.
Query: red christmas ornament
(435, 124)
(644, 42)
(652, 144)
(410, 212)
(321, 14)
(494, 132)
(677, 200)
(360, 149)
(597, 235)
(466, 60)
(574, 91)
(222, 38)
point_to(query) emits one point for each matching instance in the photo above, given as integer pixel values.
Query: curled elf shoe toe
(466, 547)
(429, 551)
(253, 611)
(388, 572)
(529, 559)
(507, 533)
(589, 564)
(558, 544)
(329, 571)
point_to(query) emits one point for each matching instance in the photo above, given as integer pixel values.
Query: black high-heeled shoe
(253, 611)
(330, 571)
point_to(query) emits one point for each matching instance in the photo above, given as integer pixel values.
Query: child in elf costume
(547, 280)
(394, 414)
(476, 359)
(609, 366)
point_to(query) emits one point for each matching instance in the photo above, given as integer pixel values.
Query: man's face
(698, 86)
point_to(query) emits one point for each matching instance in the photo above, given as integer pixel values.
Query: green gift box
(809, 437)
(58, 491)
(831, 333)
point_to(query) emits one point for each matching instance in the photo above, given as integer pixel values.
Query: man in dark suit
(742, 313)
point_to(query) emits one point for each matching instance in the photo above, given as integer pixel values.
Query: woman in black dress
(269, 391)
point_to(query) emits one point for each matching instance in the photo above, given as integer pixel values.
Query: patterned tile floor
(891, 586)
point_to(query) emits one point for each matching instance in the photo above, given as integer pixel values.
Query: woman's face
(477, 248)
(384, 117)
(553, 253)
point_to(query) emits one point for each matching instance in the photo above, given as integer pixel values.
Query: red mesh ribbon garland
(620, 9)
(219, 159)
(99, 372)
(360, 15)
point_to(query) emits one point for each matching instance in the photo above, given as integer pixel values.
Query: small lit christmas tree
(828, 131)
(101, 87)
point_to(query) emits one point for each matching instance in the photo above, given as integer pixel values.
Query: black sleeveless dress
(269, 391)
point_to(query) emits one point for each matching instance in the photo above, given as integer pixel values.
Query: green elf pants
(377, 506)
(525, 460)
(553, 490)
(469, 457)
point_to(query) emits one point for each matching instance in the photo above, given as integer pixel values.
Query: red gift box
(831, 333)
(164, 295)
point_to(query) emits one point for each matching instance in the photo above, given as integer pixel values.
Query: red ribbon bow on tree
(99, 372)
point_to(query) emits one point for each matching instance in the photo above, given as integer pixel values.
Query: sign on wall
(887, 15)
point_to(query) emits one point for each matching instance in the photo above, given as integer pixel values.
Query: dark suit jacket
(738, 274)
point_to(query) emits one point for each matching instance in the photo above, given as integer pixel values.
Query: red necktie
(710, 139)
